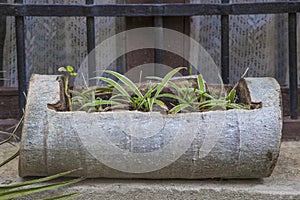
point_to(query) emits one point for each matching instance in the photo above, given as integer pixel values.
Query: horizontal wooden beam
(8, 91)
(121, 10)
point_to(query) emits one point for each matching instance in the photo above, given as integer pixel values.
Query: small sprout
(62, 69)
(70, 69)
(73, 74)
(231, 96)
(70, 72)
(191, 70)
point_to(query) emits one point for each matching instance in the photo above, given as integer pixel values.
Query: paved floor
(284, 183)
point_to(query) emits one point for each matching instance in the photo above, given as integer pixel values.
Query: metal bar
(2, 39)
(122, 10)
(90, 27)
(225, 46)
(293, 74)
(21, 62)
(159, 45)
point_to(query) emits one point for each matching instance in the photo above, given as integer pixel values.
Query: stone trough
(131, 144)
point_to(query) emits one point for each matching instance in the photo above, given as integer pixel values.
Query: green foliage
(125, 93)
(19, 189)
(138, 101)
(198, 99)
(87, 100)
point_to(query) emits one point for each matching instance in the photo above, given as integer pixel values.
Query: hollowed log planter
(131, 144)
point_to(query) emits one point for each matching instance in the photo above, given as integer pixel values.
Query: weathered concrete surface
(215, 144)
(283, 184)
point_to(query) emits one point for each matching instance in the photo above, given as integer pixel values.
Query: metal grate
(225, 9)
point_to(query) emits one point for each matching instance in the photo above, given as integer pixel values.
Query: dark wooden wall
(9, 109)
(143, 56)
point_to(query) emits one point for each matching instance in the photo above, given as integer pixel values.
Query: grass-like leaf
(150, 103)
(126, 81)
(22, 192)
(201, 88)
(179, 108)
(14, 131)
(98, 103)
(166, 79)
(40, 180)
(161, 104)
(64, 197)
(200, 82)
(237, 106)
(231, 96)
(116, 85)
(10, 159)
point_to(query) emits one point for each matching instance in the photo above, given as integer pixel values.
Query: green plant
(87, 100)
(199, 99)
(138, 101)
(126, 94)
(70, 72)
(189, 98)
(18, 190)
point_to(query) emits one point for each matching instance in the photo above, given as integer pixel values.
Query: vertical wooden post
(225, 46)
(293, 72)
(159, 43)
(21, 60)
(90, 30)
(2, 39)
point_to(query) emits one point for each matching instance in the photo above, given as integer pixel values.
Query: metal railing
(20, 10)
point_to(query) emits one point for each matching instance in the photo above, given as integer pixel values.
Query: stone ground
(284, 183)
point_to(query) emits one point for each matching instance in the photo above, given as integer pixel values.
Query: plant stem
(67, 92)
